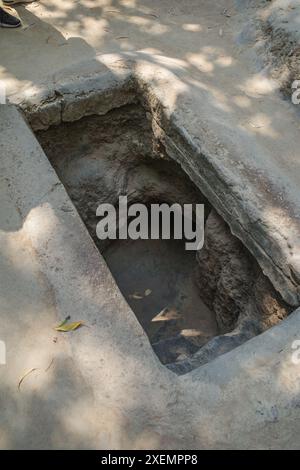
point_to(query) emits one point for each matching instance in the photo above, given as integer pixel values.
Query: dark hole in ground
(157, 278)
(193, 306)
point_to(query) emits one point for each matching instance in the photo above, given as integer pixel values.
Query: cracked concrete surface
(225, 122)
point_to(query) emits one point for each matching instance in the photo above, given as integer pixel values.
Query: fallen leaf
(69, 326)
(136, 296)
(147, 292)
(25, 375)
(122, 37)
(47, 368)
(166, 314)
(255, 126)
(63, 322)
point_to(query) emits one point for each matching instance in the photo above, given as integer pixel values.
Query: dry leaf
(47, 368)
(147, 292)
(135, 296)
(25, 375)
(255, 126)
(63, 322)
(65, 327)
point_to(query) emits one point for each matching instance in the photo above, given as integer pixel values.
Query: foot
(7, 20)
(13, 2)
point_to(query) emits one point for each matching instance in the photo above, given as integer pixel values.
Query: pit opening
(193, 306)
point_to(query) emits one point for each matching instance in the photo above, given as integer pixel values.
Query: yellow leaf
(69, 326)
(63, 322)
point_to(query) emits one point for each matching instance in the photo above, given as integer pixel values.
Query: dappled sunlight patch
(242, 101)
(201, 62)
(261, 124)
(224, 61)
(258, 86)
(193, 27)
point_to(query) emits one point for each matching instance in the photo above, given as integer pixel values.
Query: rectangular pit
(193, 306)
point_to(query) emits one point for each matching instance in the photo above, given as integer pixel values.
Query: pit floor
(157, 279)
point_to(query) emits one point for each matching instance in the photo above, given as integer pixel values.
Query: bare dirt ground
(273, 29)
(200, 35)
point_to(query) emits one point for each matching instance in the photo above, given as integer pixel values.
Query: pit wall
(230, 186)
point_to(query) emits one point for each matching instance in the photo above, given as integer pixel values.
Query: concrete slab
(121, 397)
(106, 388)
(45, 411)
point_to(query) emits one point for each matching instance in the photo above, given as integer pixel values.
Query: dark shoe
(7, 20)
(14, 2)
